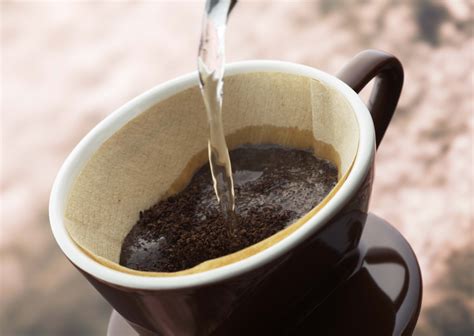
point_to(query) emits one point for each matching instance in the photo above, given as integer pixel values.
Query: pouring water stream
(211, 61)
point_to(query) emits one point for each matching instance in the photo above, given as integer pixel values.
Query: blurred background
(67, 65)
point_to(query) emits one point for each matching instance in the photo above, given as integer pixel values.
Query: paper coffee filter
(155, 155)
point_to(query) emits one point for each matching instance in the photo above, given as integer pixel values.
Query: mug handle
(388, 73)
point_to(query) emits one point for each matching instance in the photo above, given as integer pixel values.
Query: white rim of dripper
(112, 123)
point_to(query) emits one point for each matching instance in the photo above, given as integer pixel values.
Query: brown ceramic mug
(270, 291)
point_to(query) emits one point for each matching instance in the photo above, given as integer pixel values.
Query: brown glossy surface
(383, 297)
(388, 73)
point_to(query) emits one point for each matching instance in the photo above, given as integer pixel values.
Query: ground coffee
(274, 186)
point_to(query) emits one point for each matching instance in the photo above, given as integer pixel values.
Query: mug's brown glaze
(387, 298)
(271, 299)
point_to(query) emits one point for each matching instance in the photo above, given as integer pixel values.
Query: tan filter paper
(155, 155)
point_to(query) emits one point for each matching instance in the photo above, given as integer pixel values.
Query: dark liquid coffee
(274, 186)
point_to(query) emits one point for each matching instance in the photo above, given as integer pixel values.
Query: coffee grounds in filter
(274, 187)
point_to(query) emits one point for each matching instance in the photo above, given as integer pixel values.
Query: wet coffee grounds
(274, 186)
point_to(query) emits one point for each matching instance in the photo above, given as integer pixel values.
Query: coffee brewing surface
(274, 186)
